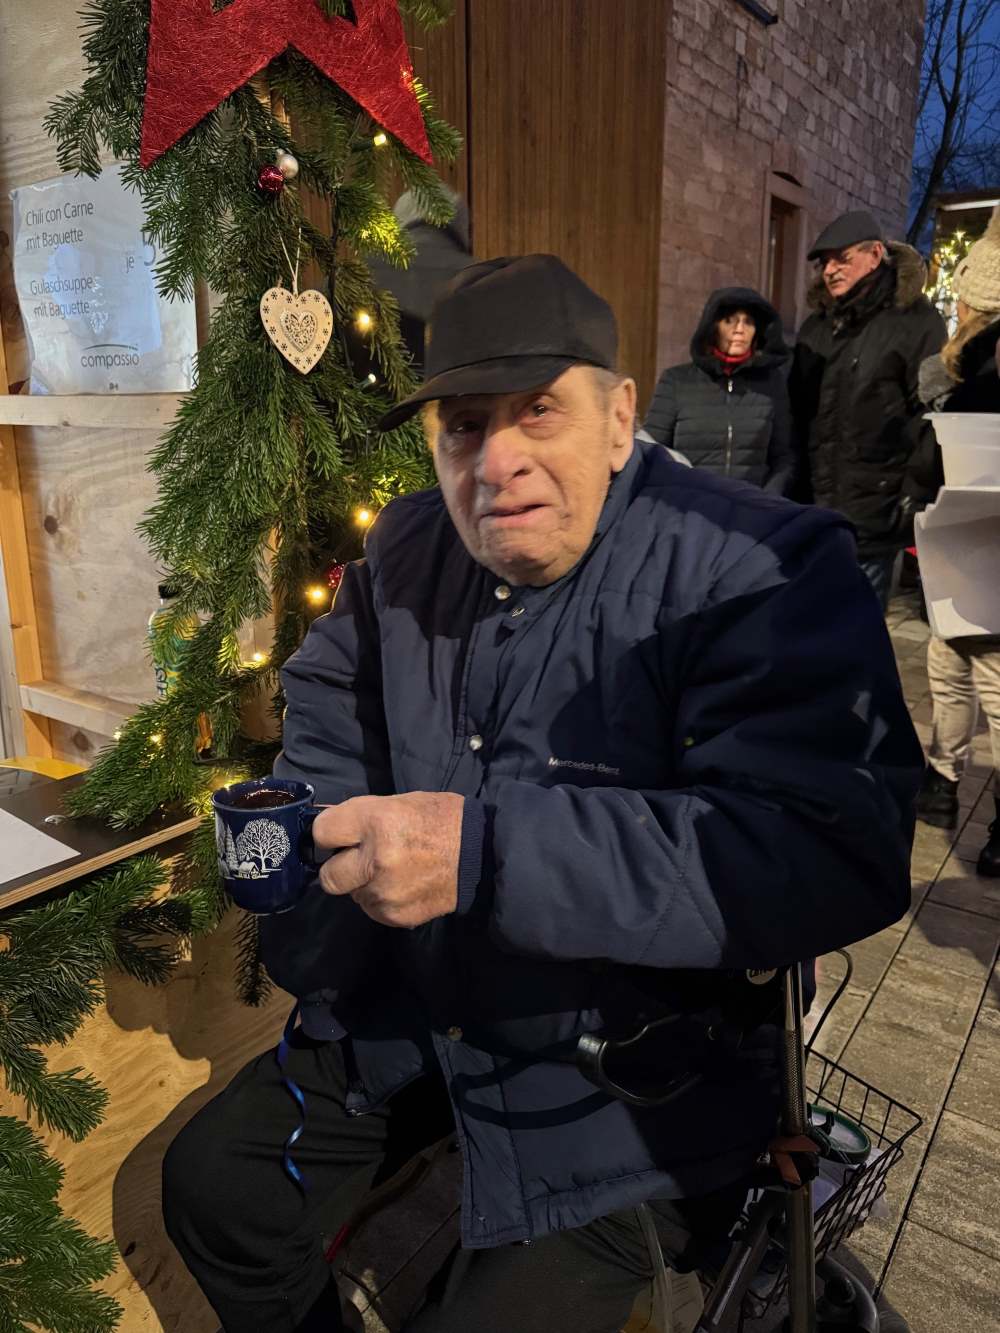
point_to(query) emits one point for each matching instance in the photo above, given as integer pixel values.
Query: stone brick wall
(826, 96)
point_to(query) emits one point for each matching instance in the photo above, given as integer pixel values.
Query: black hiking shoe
(937, 800)
(988, 864)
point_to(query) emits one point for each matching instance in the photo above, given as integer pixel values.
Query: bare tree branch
(958, 133)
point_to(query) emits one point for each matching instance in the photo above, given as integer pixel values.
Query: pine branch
(253, 985)
(47, 1262)
(70, 1100)
(428, 13)
(52, 977)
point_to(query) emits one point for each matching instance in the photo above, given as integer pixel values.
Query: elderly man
(599, 734)
(866, 450)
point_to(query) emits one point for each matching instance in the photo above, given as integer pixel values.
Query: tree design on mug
(262, 842)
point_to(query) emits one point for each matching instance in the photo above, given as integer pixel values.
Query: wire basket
(888, 1125)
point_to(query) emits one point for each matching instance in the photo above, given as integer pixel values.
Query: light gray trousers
(964, 676)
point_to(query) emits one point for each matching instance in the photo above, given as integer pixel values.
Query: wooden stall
(561, 105)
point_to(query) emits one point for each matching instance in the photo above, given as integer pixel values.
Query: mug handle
(307, 848)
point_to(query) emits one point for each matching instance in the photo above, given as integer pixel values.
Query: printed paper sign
(84, 277)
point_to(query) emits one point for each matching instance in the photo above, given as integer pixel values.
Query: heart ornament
(298, 323)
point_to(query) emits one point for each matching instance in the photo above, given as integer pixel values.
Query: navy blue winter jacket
(690, 754)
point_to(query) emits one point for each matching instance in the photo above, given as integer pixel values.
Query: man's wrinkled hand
(396, 856)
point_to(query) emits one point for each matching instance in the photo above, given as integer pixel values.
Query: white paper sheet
(24, 849)
(958, 544)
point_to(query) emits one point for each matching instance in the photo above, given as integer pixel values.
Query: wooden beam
(77, 708)
(123, 411)
(12, 739)
(17, 577)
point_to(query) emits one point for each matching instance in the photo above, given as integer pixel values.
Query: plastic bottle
(165, 653)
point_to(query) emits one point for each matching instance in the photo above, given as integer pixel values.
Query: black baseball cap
(506, 325)
(848, 229)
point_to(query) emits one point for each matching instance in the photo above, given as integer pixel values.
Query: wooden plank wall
(439, 61)
(84, 490)
(562, 106)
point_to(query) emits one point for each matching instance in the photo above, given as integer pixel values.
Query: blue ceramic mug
(263, 833)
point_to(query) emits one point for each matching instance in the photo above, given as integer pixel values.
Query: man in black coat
(866, 449)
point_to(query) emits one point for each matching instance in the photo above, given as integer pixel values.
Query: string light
(317, 594)
(156, 738)
(363, 321)
(259, 658)
(118, 734)
(380, 140)
(364, 516)
(372, 379)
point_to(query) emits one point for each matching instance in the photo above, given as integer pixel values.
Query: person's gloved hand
(396, 856)
(934, 384)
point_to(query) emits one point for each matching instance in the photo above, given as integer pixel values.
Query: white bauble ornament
(287, 165)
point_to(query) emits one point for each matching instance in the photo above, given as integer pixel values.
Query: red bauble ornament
(334, 575)
(197, 58)
(270, 180)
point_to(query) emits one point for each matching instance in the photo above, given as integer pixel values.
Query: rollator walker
(782, 1244)
(830, 1121)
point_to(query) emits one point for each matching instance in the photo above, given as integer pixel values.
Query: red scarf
(730, 363)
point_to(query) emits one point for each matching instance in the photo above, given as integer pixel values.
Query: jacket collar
(873, 293)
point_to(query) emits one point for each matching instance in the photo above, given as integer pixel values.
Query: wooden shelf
(77, 708)
(96, 845)
(123, 411)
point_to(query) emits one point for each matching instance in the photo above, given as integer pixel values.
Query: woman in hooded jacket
(727, 410)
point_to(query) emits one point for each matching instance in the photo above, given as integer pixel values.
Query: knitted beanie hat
(977, 278)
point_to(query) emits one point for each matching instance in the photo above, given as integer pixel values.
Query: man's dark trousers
(252, 1237)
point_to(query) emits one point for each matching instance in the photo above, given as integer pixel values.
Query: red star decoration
(197, 58)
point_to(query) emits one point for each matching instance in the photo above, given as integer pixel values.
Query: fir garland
(47, 1263)
(262, 471)
(52, 965)
(261, 474)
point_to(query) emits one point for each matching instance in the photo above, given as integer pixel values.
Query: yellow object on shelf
(49, 768)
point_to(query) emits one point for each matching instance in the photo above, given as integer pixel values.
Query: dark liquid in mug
(264, 798)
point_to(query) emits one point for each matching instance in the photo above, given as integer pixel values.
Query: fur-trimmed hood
(911, 276)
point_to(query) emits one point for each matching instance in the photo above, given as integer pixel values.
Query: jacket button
(475, 742)
(454, 1034)
(501, 592)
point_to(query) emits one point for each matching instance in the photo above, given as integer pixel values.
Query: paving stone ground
(921, 1021)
